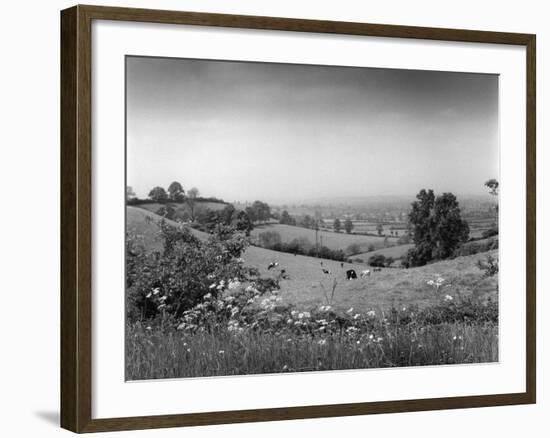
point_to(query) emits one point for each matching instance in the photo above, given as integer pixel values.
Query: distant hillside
(329, 239)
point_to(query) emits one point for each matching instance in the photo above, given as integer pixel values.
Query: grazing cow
(325, 271)
(272, 265)
(342, 265)
(365, 273)
(377, 269)
(351, 274)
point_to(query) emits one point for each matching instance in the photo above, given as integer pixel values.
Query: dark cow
(351, 274)
(325, 271)
(377, 269)
(272, 265)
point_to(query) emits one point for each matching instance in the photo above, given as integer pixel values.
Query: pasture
(306, 284)
(320, 321)
(329, 239)
(396, 252)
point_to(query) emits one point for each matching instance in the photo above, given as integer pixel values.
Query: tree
(348, 225)
(337, 225)
(243, 223)
(436, 227)
(492, 185)
(158, 194)
(130, 194)
(380, 229)
(287, 219)
(191, 200)
(262, 211)
(175, 190)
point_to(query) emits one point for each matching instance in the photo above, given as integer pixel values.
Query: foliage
(258, 212)
(353, 248)
(287, 219)
(130, 194)
(182, 273)
(489, 266)
(380, 229)
(337, 225)
(176, 192)
(167, 211)
(268, 239)
(348, 225)
(158, 194)
(436, 227)
(247, 331)
(380, 260)
(475, 247)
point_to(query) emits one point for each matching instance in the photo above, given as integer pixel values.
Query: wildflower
(350, 310)
(371, 313)
(448, 298)
(221, 352)
(300, 315)
(148, 327)
(371, 336)
(212, 286)
(208, 296)
(156, 291)
(234, 285)
(148, 295)
(188, 350)
(357, 315)
(307, 314)
(289, 321)
(322, 342)
(161, 306)
(294, 312)
(163, 298)
(325, 308)
(358, 342)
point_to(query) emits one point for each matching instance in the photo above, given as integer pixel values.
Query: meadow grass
(155, 353)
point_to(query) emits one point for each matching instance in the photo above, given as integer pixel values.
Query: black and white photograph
(286, 218)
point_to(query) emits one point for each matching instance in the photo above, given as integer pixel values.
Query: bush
(377, 260)
(352, 249)
(268, 239)
(170, 281)
(476, 247)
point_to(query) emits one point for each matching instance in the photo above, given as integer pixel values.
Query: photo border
(76, 218)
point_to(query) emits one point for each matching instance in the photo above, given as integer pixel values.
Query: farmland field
(396, 252)
(329, 239)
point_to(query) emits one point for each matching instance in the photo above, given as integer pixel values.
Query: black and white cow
(351, 274)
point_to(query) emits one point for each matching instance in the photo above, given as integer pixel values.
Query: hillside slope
(307, 284)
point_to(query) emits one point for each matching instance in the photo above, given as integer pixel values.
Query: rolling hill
(306, 284)
(329, 239)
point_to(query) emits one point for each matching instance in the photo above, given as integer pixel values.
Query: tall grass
(155, 352)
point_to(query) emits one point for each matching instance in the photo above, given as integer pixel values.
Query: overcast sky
(284, 133)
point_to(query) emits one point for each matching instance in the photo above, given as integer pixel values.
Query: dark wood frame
(76, 238)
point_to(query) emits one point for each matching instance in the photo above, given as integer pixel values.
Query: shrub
(268, 239)
(353, 248)
(377, 260)
(175, 279)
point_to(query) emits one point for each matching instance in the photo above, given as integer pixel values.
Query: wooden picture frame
(76, 218)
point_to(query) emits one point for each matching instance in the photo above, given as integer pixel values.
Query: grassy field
(306, 283)
(390, 318)
(396, 252)
(159, 354)
(329, 239)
